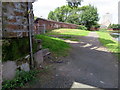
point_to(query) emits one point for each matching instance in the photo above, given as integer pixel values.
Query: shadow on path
(88, 63)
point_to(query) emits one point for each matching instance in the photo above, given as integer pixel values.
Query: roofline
(53, 21)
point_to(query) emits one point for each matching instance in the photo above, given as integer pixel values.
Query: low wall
(12, 64)
(50, 25)
(94, 29)
(10, 67)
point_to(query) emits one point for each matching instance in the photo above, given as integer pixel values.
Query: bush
(82, 27)
(114, 26)
(20, 80)
(96, 26)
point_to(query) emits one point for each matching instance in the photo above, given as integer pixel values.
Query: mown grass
(107, 41)
(72, 38)
(76, 32)
(57, 46)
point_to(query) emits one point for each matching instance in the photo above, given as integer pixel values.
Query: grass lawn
(107, 41)
(76, 32)
(57, 46)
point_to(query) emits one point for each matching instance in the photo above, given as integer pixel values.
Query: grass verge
(55, 45)
(76, 32)
(107, 41)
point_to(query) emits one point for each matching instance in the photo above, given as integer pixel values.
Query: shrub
(114, 26)
(20, 80)
(82, 27)
(96, 26)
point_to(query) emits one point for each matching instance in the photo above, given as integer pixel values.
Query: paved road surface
(89, 63)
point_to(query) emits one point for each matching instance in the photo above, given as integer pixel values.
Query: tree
(51, 16)
(73, 18)
(114, 26)
(89, 16)
(74, 3)
(86, 15)
(60, 14)
(35, 17)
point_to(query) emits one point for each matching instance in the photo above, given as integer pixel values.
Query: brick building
(15, 20)
(50, 25)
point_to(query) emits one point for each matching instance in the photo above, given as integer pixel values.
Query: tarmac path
(89, 65)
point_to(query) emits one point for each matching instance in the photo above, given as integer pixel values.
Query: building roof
(36, 21)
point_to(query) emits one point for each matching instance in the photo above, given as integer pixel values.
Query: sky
(41, 8)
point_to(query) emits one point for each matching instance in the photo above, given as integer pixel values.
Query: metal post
(39, 32)
(44, 28)
(30, 35)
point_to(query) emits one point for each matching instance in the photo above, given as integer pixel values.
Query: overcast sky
(43, 7)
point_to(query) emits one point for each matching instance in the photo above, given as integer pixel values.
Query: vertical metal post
(44, 28)
(0, 45)
(30, 35)
(119, 12)
(39, 29)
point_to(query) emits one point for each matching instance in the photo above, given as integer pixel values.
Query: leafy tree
(86, 15)
(51, 16)
(114, 26)
(35, 17)
(73, 18)
(74, 3)
(60, 14)
(89, 16)
(64, 14)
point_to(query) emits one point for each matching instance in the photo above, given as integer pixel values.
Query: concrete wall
(50, 25)
(10, 67)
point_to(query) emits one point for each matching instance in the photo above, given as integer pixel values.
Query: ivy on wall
(16, 48)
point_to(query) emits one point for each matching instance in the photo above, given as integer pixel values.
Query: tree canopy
(89, 16)
(74, 3)
(114, 26)
(86, 15)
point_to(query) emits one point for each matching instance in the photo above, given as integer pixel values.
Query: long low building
(42, 25)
